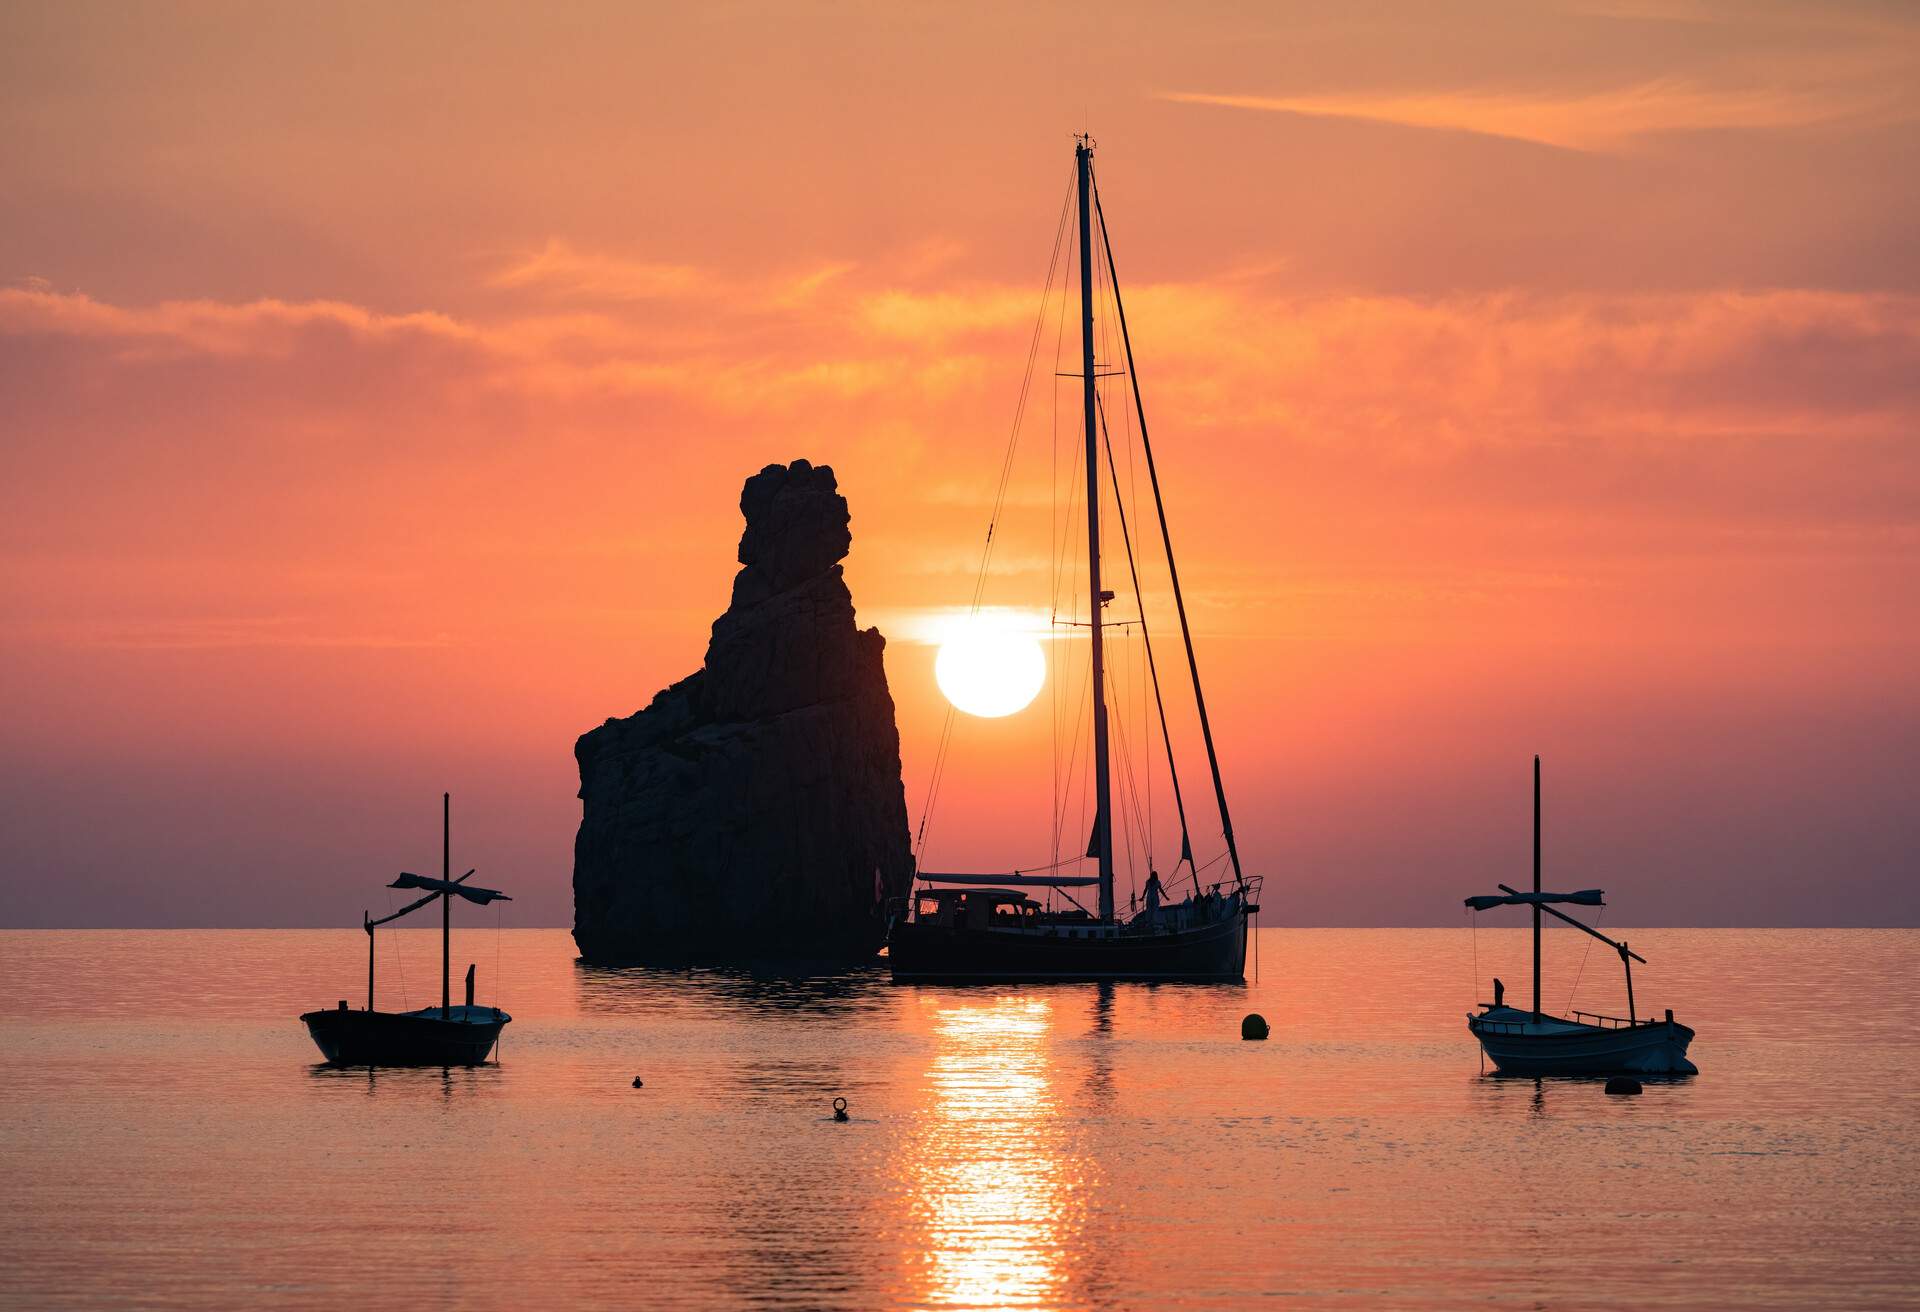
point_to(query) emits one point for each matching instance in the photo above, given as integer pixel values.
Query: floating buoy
(839, 1109)
(1254, 1026)
(1623, 1084)
(636, 1082)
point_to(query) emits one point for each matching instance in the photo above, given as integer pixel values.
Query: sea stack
(753, 813)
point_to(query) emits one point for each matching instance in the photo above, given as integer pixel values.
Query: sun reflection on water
(996, 1189)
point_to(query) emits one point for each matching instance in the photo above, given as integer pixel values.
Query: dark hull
(934, 954)
(382, 1038)
(1659, 1048)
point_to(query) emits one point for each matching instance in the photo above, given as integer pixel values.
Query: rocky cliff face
(754, 811)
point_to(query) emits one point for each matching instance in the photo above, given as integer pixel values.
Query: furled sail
(1586, 897)
(467, 891)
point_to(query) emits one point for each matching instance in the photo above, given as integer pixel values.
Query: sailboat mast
(1102, 818)
(446, 903)
(1536, 887)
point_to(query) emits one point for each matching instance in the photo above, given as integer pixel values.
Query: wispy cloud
(1609, 120)
(559, 268)
(226, 633)
(563, 271)
(212, 327)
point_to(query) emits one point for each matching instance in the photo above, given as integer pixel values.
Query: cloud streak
(1614, 120)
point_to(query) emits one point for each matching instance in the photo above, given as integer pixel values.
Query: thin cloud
(1607, 121)
(562, 271)
(227, 328)
(559, 268)
(229, 633)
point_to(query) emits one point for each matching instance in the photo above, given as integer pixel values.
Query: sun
(990, 672)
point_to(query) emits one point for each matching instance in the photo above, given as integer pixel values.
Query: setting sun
(990, 673)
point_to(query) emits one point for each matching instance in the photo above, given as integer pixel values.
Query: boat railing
(1580, 1017)
(1503, 1026)
(1608, 1022)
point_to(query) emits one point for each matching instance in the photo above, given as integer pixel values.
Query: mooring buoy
(1623, 1084)
(1254, 1026)
(839, 1109)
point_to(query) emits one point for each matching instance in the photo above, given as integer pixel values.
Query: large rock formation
(753, 812)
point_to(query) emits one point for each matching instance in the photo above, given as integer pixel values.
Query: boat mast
(446, 903)
(1102, 843)
(1536, 887)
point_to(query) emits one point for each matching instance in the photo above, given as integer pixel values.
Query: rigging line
(1053, 503)
(1598, 920)
(933, 783)
(1131, 788)
(1075, 774)
(1066, 564)
(1051, 865)
(1473, 926)
(1140, 599)
(1086, 772)
(1127, 830)
(1166, 735)
(399, 961)
(1166, 536)
(1055, 567)
(1073, 755)
(999, 499)
(1130, 778)
(1026, 389)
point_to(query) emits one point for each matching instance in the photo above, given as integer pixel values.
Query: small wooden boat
(1582, 1043)
(445, 1035)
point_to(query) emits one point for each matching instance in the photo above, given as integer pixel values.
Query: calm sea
(170, 1141)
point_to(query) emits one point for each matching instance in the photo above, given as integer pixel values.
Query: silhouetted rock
(753, 812)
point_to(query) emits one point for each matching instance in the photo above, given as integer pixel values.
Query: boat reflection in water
(996, 1189)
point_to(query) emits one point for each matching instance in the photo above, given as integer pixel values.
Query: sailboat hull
(417, 1038)
(948, 954)
(1553, 1047)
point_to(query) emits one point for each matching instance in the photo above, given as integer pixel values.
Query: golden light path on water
(998, 1198)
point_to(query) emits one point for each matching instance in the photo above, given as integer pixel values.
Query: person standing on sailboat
(1154, 892)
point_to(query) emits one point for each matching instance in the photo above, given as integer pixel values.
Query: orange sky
(376, 386)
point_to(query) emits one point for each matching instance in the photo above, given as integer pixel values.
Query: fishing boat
(1030, 925)
(445, 1035)
(1580, 1043)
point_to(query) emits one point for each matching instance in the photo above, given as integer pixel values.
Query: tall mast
(1536, 887)
(1102, 843)
(446, 902)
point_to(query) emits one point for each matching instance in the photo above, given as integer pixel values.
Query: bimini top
(1014, 880)
(1586, 897)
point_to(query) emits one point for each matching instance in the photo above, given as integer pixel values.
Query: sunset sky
(377, 383)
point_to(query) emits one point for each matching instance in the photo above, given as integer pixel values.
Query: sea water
(169, 1139)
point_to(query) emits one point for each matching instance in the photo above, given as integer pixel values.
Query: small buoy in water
(1623, 1084)
(1254, 1026)
(636, 1082)
(839, 1109)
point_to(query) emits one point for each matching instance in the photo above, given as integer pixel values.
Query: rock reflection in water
(993, 1181)
(646, 990)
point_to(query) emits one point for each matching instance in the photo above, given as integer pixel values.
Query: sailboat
(1580, 1043)
(445, 1035)
(962, 927)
